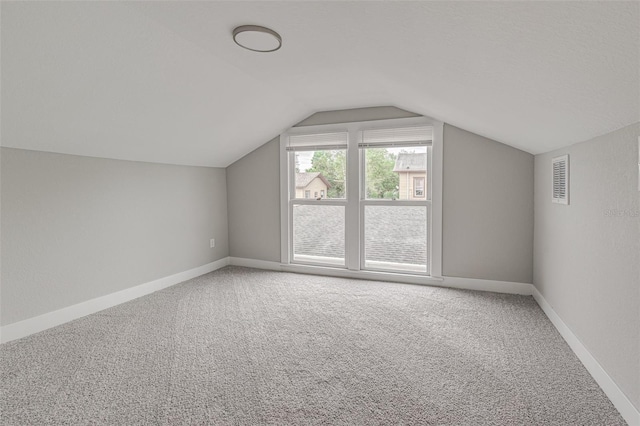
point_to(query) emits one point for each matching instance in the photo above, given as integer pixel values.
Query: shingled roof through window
(304, 178)
(407, 162)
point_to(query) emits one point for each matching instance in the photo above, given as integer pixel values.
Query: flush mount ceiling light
(257, 38)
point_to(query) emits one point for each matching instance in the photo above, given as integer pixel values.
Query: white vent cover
(561, 179)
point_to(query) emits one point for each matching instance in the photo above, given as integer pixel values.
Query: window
(318, 234)
(395, 237)
(376, 204)
(418, 187)
(317, 164)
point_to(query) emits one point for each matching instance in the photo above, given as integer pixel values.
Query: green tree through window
(382, 181)
(333, 166)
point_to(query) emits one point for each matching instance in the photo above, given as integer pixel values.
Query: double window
(372, 207)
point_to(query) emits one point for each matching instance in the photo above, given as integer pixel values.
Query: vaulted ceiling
(164, 81)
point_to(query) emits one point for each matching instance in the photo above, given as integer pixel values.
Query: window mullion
(352, 228)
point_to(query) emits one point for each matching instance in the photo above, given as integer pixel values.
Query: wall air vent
(561, 179)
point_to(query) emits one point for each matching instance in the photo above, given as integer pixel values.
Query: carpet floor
(242, 346)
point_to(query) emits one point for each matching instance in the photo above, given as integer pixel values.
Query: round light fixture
(257, 38)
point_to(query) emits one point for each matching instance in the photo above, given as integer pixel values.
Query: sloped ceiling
(164, 81)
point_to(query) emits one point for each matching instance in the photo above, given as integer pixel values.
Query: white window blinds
(401, 136)
(318, 141)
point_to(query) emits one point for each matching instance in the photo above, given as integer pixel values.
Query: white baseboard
(624, 406)
(495, 286)
(254, 263)
(51, 319)
(450, 282)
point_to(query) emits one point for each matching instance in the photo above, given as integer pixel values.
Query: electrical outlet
(212, 243)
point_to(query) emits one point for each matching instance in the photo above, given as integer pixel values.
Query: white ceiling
(164, 81)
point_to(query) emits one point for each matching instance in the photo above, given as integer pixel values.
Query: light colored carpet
(242, 346)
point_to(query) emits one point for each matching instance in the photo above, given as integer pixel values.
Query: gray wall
(253, 197)
(488, 202)
(487, 209)
(355, 114)
(587, 254)
(75, 228)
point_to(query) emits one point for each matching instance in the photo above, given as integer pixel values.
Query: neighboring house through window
(418, 187)
(412, 175)
(308, 183)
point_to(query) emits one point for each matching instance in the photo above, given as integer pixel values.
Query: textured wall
(75, 228)
(487, 209)
(587, 254)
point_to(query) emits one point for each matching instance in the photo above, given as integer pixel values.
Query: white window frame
(354, 209)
